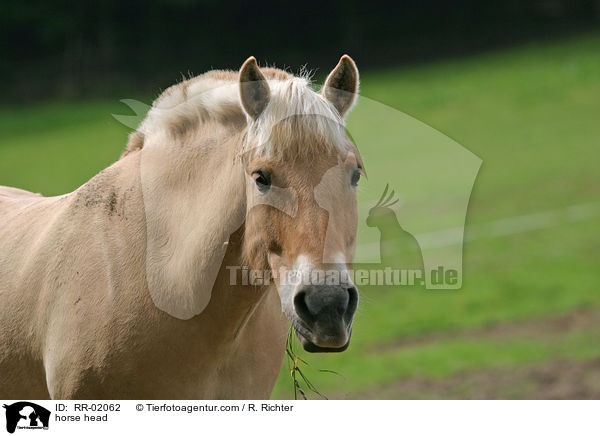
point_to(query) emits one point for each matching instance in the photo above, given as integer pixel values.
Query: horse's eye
(262, 180)
(355, 177)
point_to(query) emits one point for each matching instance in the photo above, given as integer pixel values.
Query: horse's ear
(254, 89)
(341, 85)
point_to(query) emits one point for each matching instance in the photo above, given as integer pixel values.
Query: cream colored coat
(77, 320)
(82, 275)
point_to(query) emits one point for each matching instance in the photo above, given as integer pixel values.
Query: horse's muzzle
(325, 314)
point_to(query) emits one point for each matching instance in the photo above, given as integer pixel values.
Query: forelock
(297, 119)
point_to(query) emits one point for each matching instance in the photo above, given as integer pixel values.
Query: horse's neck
(200, 200)
(194, 200)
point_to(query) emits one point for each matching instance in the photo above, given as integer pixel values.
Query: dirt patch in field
(556, 379)
(537, 327)
(560, 379)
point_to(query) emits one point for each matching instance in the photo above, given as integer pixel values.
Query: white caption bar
(298, 417)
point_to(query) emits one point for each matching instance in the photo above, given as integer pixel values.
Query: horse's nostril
(343, 303)
(352, 303)
(302, 307)
(315, 301)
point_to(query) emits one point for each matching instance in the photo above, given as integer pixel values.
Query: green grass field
(530, 302)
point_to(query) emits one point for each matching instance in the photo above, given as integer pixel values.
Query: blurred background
(515, 82)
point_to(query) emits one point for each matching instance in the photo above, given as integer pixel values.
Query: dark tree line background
(76, 49)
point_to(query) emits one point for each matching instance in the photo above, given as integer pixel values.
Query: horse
(122, 289)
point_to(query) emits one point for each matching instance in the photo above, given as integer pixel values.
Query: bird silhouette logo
(399, 249)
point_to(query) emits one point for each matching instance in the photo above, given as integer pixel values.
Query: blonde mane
(295, 114)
